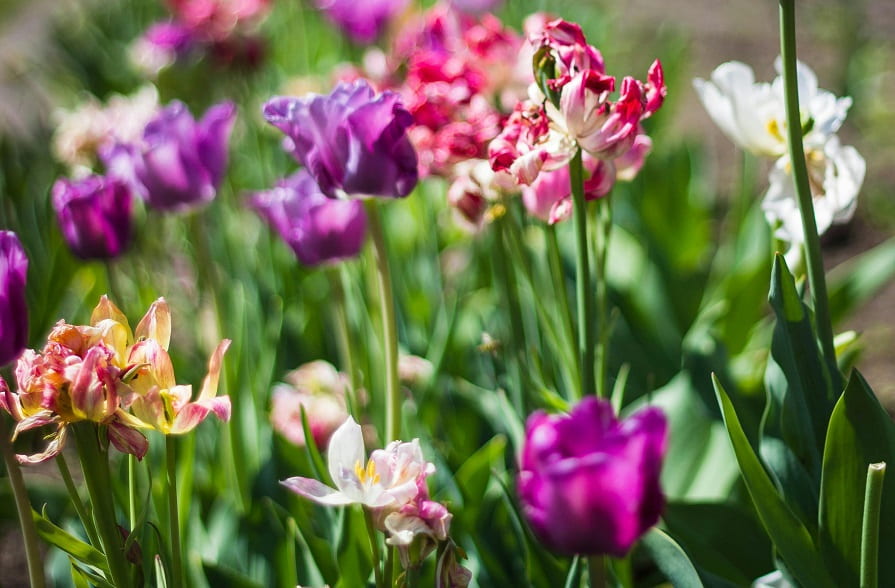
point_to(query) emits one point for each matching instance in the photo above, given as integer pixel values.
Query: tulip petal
(316, 491)
(156, 324)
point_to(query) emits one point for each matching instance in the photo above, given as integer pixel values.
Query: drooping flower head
(13, 309)
(318, 229)
(318, 389)
(589, 483)
(352, 141)
(179, 163)
(94, 214)
(362, 22)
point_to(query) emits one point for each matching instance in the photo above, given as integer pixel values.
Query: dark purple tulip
(317, 228)
(181, 162)
(589, 484)
(362, 21)
(353, 141)
(95, 215)
(13, 310)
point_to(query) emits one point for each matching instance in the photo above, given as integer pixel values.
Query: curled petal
(316, 491)
(54, 448)
(210, 383)
(192, 414)
(127, 440)
(156, 324)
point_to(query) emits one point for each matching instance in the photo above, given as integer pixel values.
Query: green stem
(604, 227)
(596, 567)
(173, 513)
(374, 548)
(95, 466)
(873, 496)
(389, 326)
(132, 491)
(583, 283)
(23, 508)
(75, 497)
(343, 334)
(502, 267)
(813, 256)
(561, 292)
(389, 568)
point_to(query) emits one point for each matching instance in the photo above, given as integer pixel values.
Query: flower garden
(391, 293)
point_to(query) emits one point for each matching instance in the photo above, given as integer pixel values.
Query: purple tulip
(317, 228)
(181, 162)
(95, 215)
(13, 310)
(352, 141)
(362, 21)
(589, 483)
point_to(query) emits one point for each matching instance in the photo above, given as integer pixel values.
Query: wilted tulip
(95, 215)
(13, 310)
(352, 141)
(589, 483)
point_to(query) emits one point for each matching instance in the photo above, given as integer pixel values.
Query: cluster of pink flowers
(571, 107)
(222, 29)
(106, 374)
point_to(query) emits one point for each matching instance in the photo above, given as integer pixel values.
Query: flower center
(368, 474)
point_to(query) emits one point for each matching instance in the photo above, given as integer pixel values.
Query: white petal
(316, 491)
(346, 451)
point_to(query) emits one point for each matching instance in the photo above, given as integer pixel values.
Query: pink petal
(316, 491)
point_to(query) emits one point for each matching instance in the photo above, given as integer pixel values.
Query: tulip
(317, 388)
(389, 479)
(363, 21)
(181, 163)
(318, 229)
(95, 215)
(352, 141)
(13, 309)
(589, 483)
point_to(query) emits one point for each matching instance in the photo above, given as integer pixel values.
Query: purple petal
(13, 308)
(316, 491)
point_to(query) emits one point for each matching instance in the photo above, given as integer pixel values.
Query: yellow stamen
(774, 129)
(366, 475)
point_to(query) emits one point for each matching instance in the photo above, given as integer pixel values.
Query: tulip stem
(343, 332)
(583, 282)
(596, 570)
(813, 256)
(173, 512)
(95, 466)
(559, 287)
(76, 501)
(23, 509)
(374, 548)
(873, 495)
(604, 227)
(389, 326)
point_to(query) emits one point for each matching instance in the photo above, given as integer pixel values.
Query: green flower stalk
(813, 256)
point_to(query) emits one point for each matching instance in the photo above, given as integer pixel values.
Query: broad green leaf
(861, 433)
(790, 537)
(723, 538)
(472, 477)
(85, 578)
(671, 559)
(801, 392)
(353, 555)
(68, 543)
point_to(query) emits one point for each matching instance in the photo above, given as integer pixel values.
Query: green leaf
(354, 557)
(671, 559)
(854, 282)
(801, 392)
(68, 543)
(161, 580)
(790, 537)
(861, 433)
(472, 477)
(320, 470)
(220, 575)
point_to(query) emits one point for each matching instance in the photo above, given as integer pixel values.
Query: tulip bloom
(13, 309)
(181, 162)
(363, 21)
(95, 215)
(589, 483)
(318, 229)
(753, 115)
(352, 141)
(319, 389)
(388, 479)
